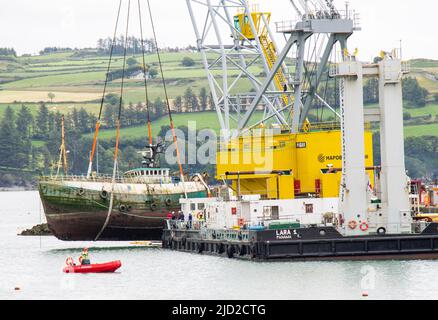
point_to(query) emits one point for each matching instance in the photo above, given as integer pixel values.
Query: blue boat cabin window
(237, 23)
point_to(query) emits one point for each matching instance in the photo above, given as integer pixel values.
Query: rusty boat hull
(78, 210)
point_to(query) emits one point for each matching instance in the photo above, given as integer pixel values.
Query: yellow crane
(241, 21)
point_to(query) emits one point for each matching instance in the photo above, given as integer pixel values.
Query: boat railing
(98, 179)
(227, 235)
(80, 178)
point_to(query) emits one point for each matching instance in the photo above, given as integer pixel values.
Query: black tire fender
(231, 250)
(104, 194)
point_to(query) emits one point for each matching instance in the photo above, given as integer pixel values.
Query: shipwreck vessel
(77, 207)
(132, 206)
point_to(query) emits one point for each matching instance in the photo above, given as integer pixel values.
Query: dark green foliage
(421, 155)
(42, 123)
(203, 99)
(425, 151)
(188, 62)
(133, 45)
(407, 116)
(132, 62)
(49, 50)
(414, 93)
(371, 91)
(9, 140)
(7, 52)
(178, 104)
(118, 74)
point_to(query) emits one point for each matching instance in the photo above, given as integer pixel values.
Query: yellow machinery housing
(260, 20)
(286, 166)
(283, 166)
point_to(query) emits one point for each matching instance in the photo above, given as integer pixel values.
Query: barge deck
(306, 244)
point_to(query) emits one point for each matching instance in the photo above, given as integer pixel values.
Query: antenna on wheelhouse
(63, 161)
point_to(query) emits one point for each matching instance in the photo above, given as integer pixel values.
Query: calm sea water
(34, 264)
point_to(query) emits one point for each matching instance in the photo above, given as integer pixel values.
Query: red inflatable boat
(94, 268)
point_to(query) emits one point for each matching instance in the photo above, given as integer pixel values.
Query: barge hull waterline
(367, 248)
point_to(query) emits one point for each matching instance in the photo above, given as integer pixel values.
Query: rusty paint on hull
(77, 214)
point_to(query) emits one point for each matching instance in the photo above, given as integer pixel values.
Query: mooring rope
(172, 127)
(116, 151)
(96, 133)
(145, 77)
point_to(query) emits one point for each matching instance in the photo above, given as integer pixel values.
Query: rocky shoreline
(39, 230)
(17, 189)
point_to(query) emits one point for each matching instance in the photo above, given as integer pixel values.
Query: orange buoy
(364, 226)
(352, 224)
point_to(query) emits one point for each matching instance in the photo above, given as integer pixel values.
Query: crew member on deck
(84, 259)
(190, 220)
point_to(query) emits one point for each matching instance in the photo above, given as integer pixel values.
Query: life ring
(352, 224)
(81, 192)
(364, 226)
(104, 195)
(200, 216)
(168, 202)
(153, 206)
(69, 262)
(123, 208)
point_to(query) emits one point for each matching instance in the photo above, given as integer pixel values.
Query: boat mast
(63, 161)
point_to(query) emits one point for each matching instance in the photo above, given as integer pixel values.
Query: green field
(203, 120)
(431, 108)
(420, 131)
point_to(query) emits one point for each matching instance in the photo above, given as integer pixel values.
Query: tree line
(31, 142)
(133, 45)
(8, 52)
(413, 92)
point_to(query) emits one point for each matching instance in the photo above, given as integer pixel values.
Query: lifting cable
(172, 127)
(96, 133)
(116, 151)
(145, 78)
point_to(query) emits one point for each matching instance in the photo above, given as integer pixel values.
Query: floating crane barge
(300, 207)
